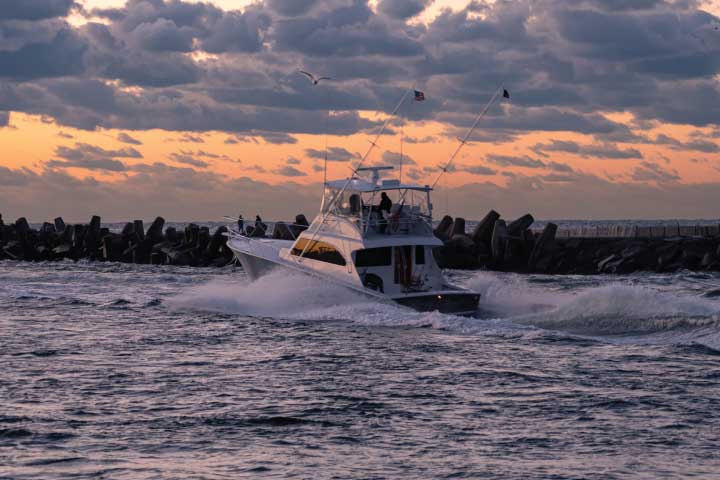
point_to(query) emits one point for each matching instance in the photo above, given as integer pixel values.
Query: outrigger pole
(373, 144)
(464, 140)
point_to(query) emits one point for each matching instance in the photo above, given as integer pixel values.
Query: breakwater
(493, 244)
(513, 246)
(192, 246)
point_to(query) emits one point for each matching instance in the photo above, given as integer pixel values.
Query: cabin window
(420, 255)
(374, 257)
(321, 251)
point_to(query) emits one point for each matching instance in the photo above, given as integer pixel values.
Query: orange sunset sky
(195, 110)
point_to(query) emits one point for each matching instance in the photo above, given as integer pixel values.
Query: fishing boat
(372, 235)
(385, 254)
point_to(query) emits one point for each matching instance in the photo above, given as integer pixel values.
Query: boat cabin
(380, 231)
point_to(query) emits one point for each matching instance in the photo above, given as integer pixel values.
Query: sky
(195, 110)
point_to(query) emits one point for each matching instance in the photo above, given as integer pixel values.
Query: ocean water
(114, 371)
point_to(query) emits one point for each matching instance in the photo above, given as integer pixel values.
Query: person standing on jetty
(241, 224)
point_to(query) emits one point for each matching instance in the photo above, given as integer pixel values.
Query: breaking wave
(511, 304)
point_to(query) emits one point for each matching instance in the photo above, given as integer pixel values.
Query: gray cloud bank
(563, 60)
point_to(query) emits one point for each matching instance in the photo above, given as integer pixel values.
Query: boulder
(516, 227)
(442, 231)
(458, 227)
(155, 231)
(59, 224)
(483, 231)
(282, 232)
(544, 244)
(139, 229)
(498, 241)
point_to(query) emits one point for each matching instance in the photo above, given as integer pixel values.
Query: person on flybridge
(385, 207)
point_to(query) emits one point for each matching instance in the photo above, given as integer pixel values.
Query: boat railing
(398, 224)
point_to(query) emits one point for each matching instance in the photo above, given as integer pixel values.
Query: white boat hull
(260, 256)
(255, 267)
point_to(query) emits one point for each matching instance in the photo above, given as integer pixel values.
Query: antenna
(464, 140)
(401, 150)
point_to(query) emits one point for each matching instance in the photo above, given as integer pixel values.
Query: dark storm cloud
(402, 9)
(291, 8)
(4, 118)
(34, 9)
(60, 56)
(563, 61)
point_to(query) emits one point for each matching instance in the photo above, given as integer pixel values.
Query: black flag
(506, 94)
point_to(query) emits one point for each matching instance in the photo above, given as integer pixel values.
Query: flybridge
(376, 207)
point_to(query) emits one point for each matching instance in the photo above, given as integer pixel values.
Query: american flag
(419, 96)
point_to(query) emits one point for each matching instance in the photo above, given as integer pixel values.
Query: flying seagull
(312, 77)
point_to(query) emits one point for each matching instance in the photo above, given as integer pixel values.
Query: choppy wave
(511, 304)
(124, 370)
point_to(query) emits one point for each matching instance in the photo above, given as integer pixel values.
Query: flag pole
(464, 140)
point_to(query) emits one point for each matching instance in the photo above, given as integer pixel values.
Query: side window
(420, 255)
(321, 251)
(374, 257)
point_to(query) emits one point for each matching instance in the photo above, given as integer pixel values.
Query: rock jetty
(194, 246)
(494, 244)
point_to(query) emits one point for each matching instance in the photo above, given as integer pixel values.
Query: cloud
(403, 9)
(293, 161)
(91, 157)
(478, 170)
(63, 55)
(657, 68)
(293, 8)
(695, 145)
(157, 190)
(35, 9)
(394, 159)
(511, 161)
(188, 159)
(16, 178)
(334, 154)
(278, 138)
(188, 138)
(125, 138)
(289, 171)
(604, 150)
(4, 119)
(652, 172)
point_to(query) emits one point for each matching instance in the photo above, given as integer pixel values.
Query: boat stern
(452, 302)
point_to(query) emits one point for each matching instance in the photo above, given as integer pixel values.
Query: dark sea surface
(137, 372)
